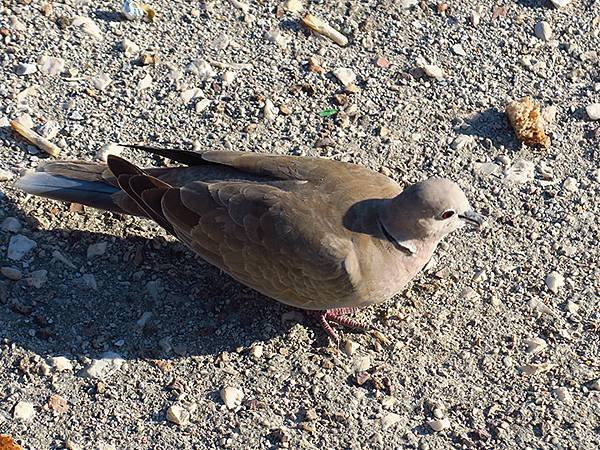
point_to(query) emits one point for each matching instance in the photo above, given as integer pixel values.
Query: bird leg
(337, 316)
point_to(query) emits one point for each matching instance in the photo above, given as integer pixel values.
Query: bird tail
(86, 183)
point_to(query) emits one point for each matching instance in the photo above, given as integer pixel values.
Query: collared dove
(317, 234)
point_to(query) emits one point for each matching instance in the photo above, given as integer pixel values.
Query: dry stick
(39, 141)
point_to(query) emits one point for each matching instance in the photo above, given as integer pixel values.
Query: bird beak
(472, 218)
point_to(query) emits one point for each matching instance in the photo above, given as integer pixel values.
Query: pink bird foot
(337, 316)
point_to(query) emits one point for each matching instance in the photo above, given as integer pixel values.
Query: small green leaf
(328, 112)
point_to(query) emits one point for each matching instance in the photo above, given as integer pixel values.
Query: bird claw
(337, 316)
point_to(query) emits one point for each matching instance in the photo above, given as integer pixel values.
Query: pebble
(345, 76)
(361, 364)
(88, 26)
(439, 424)
(535, 345)
(26, 69)
(50, 129)
(382, 62)
(256, 351)
(88, 281)
(389, 420)
(293, 6)
(58, 404)
(533, 369)
(595, 386)
(101, 81)
(458, 49)
(6, 175)
(11, 273)
(563, 394)
(178, 415)
(485, 169)
(232, 397)
(555, 281)
(433, 71)
(60, 364)
(202, 105)
(593, 111)
(108, 149)
(144, 83)
(543, 31)
(463, 141)
(270, 111)
(201, 68)
(228, 77)
(99, 369)
(37, 278)
(24, 411)
(97, 249)
(561, 3)
(522, 171)
(350, 347)
(19, 246)
(408, 4)
(130, 48)
(51, 65)
(11, 225)
(570, 184)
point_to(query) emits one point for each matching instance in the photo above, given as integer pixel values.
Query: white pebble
(101, 81)
(144, 83)
(389, 420)
(256, 351)
(463, 141)
(350, 347)
(270, 111)
(189, 94)
(228, 77)
(108, 363)
(202, 105)
(345, 76)
(560, 3)
(563, 394)
(178, 415)
(60, 364)
(439, 424)
(6, 175)
(19, 246)
(232, 397)
(555, 281)
(520, 172)
(593, 111)
(535, 345)
(24, 411)
(130, 48)
(433, 71)
(88, 26)
(51, 65)
(202, 68)
(543, 31)
(293, 6)
(458, 49)
(570, 184)
(26, 69)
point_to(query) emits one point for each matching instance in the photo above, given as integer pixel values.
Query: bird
(325, 236)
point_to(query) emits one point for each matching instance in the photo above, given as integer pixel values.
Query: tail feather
(75, 182)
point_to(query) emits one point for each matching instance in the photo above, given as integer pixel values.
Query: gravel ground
(114, 336)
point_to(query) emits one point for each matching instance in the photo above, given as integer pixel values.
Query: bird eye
(447, 214)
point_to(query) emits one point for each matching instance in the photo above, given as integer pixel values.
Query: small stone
(99, 369)
(144, 83)
(201, 68)
(97, 249)
(202, 105)
(189, 94)
(26, 69)
(178, 415)
(51, 65)
(108, 149)
(543, 31)
(101, 81)
(433, 71)
(595, 386)
(570, 184)
(232, 397)
(458, 49)
(19, 246)
(593, 111)
(485, 169)
(11, 225)
(130, 48)
(270, 111)
(88, 26)
(389, 420)
(535, 345)
(345, 76)
(572, 307)
(533, 369)
(350, 347)
(37, 278)
(382, 62)
(24, 411)
(293, 6)
(561, 3)
(58, 404)
(563, 394)
(256, 351)
(549, 114)
(439, 424)
(361, 364)
(522, 171)
(555, 281)
(50, 129)
(60, 364)
(228, 77)
(6, 175)
(463, 142)
(408, 4)
(11, 273)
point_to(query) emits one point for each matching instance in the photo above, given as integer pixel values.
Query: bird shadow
(141, 298)
(493, 125)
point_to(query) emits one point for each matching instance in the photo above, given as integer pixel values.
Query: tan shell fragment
(321, 27)
(526, 119)
(39, 141)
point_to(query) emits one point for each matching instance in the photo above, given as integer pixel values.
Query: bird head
(428, 210)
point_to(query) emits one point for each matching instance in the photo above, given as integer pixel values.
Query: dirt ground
(115, 336)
